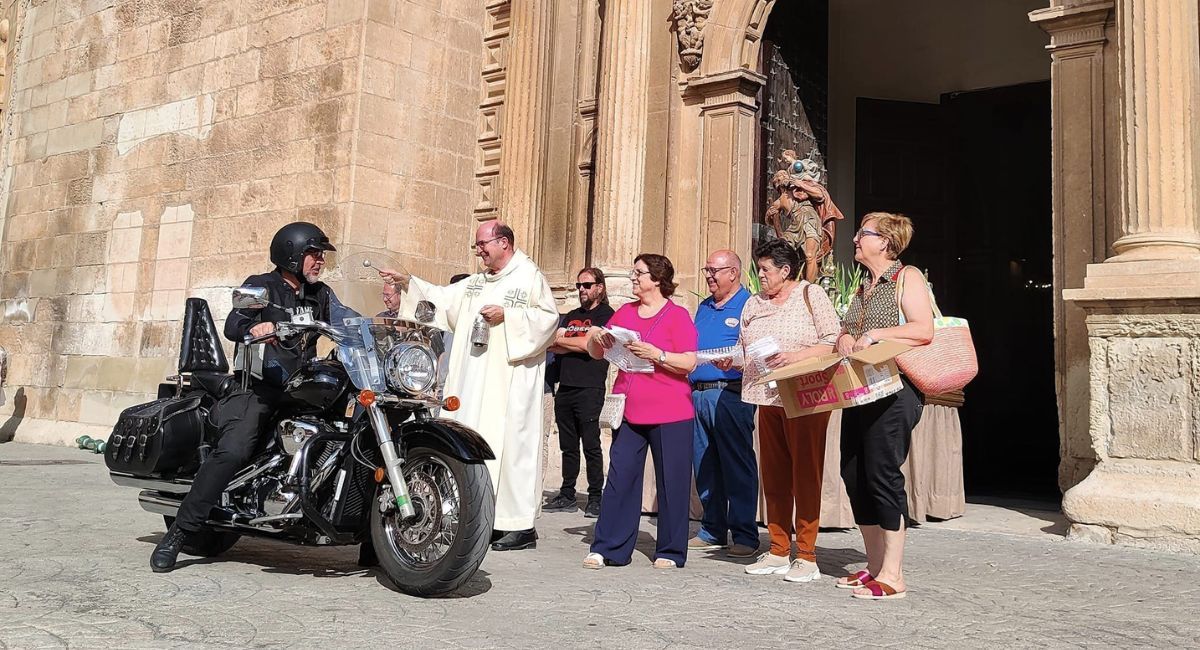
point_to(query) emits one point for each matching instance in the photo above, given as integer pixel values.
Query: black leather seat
(200, 351)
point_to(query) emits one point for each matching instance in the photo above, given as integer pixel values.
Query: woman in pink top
(658, 415)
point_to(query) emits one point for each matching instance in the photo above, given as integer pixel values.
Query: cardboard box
(830, 382)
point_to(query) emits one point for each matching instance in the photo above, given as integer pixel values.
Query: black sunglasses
(585, 285)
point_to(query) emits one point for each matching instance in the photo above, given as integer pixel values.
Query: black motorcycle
(356, 453)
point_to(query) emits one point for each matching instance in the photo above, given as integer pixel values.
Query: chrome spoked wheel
(441, 547)
(436, 497)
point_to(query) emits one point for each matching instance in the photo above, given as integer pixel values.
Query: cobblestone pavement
(74, 572)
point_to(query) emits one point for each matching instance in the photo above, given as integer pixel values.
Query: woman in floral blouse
(801, 320)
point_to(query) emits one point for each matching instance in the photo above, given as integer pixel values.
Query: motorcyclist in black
(298, 253)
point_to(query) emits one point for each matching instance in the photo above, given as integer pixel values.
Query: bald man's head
(723, 273)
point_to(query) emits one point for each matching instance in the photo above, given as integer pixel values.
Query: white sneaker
(768, 564)
(803, 571)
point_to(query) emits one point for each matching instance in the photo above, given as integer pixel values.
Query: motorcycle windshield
(361, 323)
(363, 343)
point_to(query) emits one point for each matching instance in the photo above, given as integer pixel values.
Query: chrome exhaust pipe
(158, 504)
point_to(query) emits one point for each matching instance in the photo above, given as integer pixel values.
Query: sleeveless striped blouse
(877, 308)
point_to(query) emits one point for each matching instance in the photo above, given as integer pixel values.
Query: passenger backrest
(200, 350)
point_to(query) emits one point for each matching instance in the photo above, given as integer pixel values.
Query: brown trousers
(791, 457)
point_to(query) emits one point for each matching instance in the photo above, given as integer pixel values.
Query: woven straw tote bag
(948, 362)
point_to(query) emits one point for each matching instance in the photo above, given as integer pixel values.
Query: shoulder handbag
(612, 414)
(948, 362)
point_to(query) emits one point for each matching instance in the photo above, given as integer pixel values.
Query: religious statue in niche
(690, 17)
(804, 215)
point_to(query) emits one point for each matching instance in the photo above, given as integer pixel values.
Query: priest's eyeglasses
(481, 244)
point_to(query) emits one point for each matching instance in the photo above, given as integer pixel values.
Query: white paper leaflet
(621, 357)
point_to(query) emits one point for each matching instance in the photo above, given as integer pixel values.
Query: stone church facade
(151, 147)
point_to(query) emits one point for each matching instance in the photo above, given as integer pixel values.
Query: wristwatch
(870, 338)
(662, 357)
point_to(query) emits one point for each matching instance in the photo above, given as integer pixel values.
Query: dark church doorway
(973, 172)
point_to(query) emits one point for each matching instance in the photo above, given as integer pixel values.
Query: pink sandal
(880, 591)
(857, 579)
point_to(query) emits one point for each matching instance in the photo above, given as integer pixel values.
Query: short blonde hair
(897, 229)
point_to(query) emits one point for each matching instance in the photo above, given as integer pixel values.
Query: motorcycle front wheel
(440, 548)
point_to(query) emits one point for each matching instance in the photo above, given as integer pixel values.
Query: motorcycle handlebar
(285, 329)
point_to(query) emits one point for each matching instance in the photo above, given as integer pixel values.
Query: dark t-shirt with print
(579, 369)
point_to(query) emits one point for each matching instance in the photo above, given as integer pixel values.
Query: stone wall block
(340, 12)
(325, 47)
(279, 59)
(1194, 366)
(1151, 399)
(289, 25)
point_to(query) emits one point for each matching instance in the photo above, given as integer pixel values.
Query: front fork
(392, 461)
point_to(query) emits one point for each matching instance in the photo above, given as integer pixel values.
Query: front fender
(454, 438)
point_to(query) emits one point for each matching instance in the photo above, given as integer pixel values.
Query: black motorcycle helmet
(289, 245)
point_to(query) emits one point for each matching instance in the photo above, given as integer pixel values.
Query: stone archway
(716, 182)
(733, 36)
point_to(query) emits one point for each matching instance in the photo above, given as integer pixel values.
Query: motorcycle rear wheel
(437, 551)
(206, 543)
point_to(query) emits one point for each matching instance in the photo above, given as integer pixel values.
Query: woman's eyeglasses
(635, 274)
(863, 232)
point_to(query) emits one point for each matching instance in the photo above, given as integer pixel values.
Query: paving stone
(75, 573)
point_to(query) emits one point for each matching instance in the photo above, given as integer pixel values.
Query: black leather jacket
(281, 359)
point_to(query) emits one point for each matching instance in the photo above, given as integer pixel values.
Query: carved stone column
(1141, 306)
(1160, 104)
(526, 117)
(729, 123)
(621, 141)
(1080, 49)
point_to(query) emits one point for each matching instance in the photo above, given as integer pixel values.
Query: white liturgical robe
(501, 385)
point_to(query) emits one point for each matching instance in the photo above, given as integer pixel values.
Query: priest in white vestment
(500, 384)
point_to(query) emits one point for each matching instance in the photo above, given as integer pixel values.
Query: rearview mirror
(248, 297)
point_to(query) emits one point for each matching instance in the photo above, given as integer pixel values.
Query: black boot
(366, 554)
(516, 540)
(164, 555)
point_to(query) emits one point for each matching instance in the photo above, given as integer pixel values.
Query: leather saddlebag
(155, 438)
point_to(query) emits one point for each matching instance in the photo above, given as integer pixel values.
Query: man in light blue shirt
(723, 448)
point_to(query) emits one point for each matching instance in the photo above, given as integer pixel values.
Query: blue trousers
(726, 470)
(670, 446)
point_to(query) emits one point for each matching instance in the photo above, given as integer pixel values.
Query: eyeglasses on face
(481, 244)
(634, 274)
(863, 232)
(585, 285)
(713, 270)
(315, 254)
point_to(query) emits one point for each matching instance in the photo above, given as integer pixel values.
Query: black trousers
(242, 419)
(875, 442)
(577, 412)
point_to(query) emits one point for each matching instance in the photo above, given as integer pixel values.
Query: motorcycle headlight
(411, 367)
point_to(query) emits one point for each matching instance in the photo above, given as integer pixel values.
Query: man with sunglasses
(723, 442)
(503, 319)
(580, 396)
